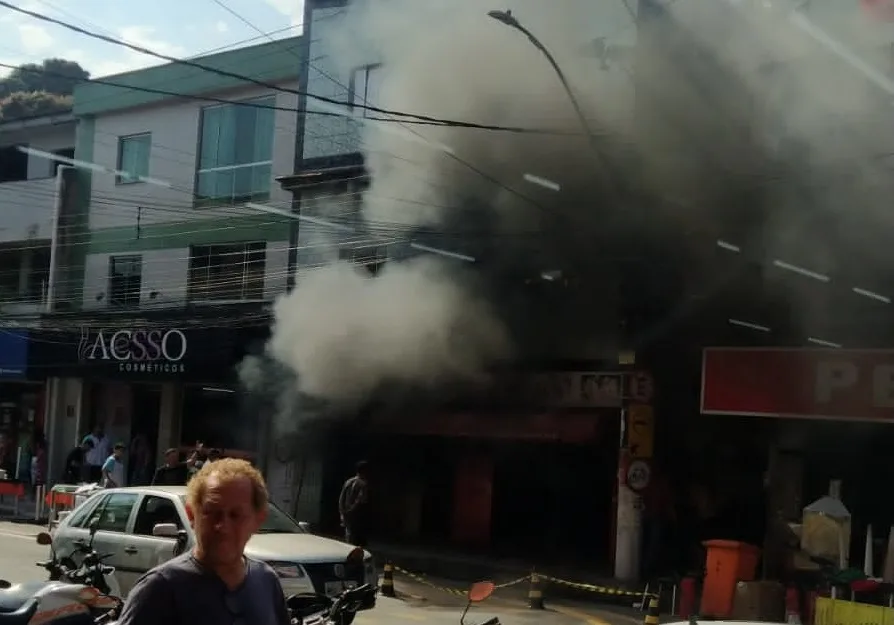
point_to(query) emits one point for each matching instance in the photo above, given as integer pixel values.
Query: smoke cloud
(713, 118)
(345, 332)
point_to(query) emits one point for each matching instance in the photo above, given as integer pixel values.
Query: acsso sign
(135, 351)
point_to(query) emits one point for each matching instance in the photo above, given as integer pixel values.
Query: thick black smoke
(693, 126)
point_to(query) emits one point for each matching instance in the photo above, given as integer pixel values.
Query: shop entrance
(555, 500)
(21, 425)
(146, 400)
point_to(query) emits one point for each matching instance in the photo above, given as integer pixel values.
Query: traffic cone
(651, 617)
(535, 593)
(388, 580)
(792, 606)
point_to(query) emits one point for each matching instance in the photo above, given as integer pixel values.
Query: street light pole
(506, 17)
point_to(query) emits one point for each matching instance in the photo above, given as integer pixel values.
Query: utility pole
(58, 208)
(51, 417)
(300, 126)
(267, 433)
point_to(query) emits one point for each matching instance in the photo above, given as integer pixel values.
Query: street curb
(25, 521)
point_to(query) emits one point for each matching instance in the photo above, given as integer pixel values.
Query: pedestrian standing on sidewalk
(113, 473)
(39, 464)
(173, 472)
(102, 449)
(353, 507)
(75, 471)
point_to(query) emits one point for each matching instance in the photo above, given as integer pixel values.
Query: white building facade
(183, 244)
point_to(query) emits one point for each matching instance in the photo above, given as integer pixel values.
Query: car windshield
(277, 522)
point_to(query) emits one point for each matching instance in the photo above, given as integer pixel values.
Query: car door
(142, 550)
(75, 527)
(114, 516)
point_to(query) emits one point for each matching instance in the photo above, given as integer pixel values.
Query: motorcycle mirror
(94, 525)
(356, 556)
(479, 591)
(44, 539)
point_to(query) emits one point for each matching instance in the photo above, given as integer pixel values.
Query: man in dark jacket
(353, 507)
(76, 468)
(173, 472)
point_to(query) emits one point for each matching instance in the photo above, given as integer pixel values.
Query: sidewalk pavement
(446, 593)
(567, 582)
(24, 513)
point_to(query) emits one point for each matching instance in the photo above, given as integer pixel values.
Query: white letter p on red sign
(832, 375)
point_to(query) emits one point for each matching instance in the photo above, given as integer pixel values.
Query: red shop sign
(817, 383)
(879, 9)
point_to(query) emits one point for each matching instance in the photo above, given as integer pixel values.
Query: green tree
(39, 88)
(56, 76)
(32, 103)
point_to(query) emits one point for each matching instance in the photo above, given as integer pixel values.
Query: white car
(141, 526)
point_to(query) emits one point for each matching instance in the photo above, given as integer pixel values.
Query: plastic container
(727, 563)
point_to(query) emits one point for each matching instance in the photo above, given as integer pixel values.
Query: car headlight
(287, 570)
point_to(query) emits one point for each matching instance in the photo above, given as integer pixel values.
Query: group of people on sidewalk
(99, 461)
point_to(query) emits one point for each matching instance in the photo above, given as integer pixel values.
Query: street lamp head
(504, 17)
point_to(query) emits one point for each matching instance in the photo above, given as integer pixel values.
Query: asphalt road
(19, 551)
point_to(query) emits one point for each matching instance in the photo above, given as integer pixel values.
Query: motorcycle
(91, 572)
(48, 602)
(319, 609)
(316, 609)
(74, 594)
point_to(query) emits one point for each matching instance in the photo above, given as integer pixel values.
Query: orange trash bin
(727, 563)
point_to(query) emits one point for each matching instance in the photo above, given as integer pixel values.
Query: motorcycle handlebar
(319, 607)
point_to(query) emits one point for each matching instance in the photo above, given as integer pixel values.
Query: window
(155, 510)
(13, 164)
(83, 512)
(115, 511)
(365, 86)
(125, 280)
(235, 153)
(233, 271)
(133, 157)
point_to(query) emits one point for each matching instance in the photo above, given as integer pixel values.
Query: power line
(208, 98)
(242, 78)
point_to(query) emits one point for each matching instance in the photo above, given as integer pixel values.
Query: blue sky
(179, 28)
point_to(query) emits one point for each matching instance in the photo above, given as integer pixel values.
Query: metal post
(18, 462)
(58, 205)
(300, 130)
(265, 444)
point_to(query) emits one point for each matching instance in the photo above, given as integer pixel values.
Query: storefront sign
(640, 430)
(13, 353)
(135, 350)
(639, 474)
(817, 383)
(563, 389)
